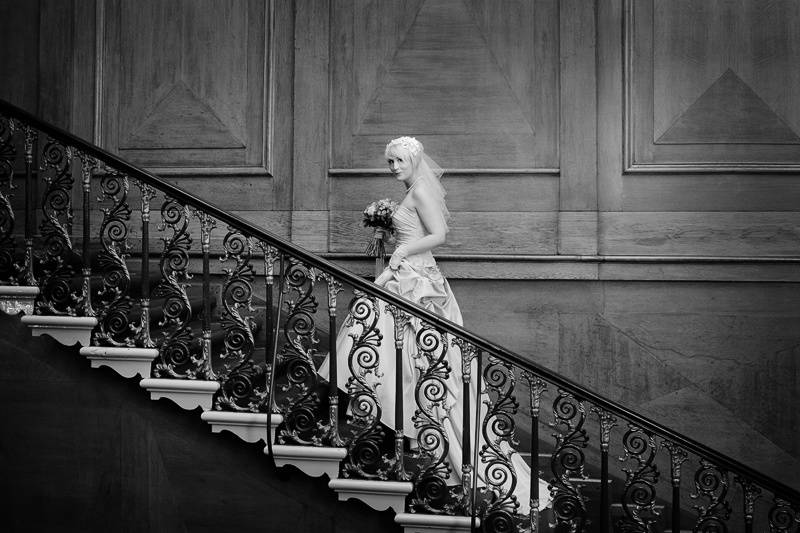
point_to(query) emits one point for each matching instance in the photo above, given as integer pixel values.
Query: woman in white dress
(421, 224)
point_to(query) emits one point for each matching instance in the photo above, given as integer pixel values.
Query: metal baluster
(476, 439)
(272, 348)
(334, 288)
(677, 456)
(750, 493)
(401, 322)
(607, 421)
(207, 224)
(537, 387)
(468, 354)
(270, 256)
(31, 136)
(143, 331)
(113, 304)
(8, 155)
(88, 165)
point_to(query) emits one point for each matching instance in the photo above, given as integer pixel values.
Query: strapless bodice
(408, 228)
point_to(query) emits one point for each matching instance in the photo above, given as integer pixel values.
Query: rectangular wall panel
(712, 85)
(700, 234)
(476, 81)
(186, 85)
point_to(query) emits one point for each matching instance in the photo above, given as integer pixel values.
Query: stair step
(380, 495)
(127, 362)
(250, 427)
(430, 523)
(15, 299)
(313, 460)
(187, 393)
(68, 330)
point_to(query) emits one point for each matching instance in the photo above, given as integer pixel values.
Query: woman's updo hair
(409, 145)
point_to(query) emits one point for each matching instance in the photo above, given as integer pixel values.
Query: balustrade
(607, 468)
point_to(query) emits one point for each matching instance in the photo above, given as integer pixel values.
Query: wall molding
(601, 268)
(368, 172)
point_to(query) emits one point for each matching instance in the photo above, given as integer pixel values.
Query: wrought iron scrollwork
(243, 387)
(498, 430)
(299, 401)
(639, 497)
(59, 262)
(784, 517)
(113, 302)
(8, 155)
(711, 483)
(365, 458)
(568, 460)
(237, 300)
(431, 493)
(176, 358)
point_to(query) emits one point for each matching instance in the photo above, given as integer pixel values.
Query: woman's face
(400, 165)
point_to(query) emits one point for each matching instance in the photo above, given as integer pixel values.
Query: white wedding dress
(419, 280)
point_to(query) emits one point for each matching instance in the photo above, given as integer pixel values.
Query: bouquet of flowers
(378, 215)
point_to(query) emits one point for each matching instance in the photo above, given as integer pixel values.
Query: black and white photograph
(400, 266)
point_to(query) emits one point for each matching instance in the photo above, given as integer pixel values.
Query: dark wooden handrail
(580, 392)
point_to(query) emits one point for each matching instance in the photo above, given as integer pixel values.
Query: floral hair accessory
(413, 146)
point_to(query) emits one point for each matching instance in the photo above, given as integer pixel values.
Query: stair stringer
(238, 503)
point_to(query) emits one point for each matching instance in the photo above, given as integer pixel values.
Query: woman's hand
(398, 256)
(381, 234)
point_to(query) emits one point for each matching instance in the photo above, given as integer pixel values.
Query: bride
(421, 224)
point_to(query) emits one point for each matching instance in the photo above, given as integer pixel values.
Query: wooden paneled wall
(622, 127)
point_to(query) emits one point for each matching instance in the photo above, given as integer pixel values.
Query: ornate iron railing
(607, 467)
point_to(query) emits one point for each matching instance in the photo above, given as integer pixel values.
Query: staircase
(213, 313)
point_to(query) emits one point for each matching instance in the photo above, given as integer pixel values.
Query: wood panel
(712, 85)
(470, 232)
(700, 234)
(187, 85)
(656, 345)
(476, 81)
(19, 22)
(609, 105)
(464, 192)
(311, 134)
(720, 192)
(56, 41)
